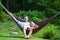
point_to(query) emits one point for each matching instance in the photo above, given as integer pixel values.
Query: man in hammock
(27, 26)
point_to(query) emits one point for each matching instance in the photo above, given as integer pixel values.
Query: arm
(19, 19)
(13, 16)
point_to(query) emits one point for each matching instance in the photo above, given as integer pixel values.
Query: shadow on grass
(12, 36)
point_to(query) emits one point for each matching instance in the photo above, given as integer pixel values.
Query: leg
(31, 29)
(24, 31)
(30, 32)
(32, 24)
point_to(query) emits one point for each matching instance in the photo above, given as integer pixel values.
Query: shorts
(27, 28)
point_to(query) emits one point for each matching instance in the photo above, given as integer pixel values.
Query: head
(26, 18)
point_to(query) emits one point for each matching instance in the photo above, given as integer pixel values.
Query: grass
(5, 29)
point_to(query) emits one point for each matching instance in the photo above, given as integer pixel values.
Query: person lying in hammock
(26, 26)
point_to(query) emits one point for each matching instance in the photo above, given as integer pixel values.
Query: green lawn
(5, 29)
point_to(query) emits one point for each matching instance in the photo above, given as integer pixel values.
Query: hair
(25, 16)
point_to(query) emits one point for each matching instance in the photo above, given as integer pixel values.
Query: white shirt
(22, 24)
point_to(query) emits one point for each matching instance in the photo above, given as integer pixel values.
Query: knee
(24, 27)
(32, 24)
(31, 28)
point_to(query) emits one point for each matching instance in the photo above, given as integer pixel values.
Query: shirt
(26, 24)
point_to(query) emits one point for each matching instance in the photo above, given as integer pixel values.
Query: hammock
(40, 24)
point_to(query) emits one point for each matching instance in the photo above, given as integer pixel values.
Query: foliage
(48, 35)
(4, 17)
(51, 35)
(38, 16)
(0, 7)
(36, 10)
(47, 6)
(41, 5)
(35, 16)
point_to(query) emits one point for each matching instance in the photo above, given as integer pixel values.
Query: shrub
(4, 17)
(53, 35)
(48, 35)
(56, 38)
